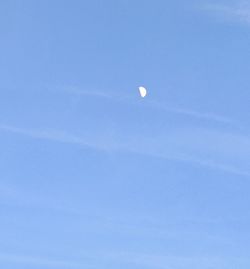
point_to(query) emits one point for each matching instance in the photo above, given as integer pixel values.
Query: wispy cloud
(181, 262)
(234, 11)
(53, 135)
(211, 149)
(190, 113)
(152, 104)
(38, 261)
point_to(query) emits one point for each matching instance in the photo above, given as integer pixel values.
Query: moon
(143, 91)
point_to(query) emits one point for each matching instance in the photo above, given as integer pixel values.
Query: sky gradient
(94, 176)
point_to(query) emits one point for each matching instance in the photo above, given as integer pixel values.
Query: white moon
(143, 91)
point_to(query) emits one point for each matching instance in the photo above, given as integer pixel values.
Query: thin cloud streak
(240, 11)
(37, 261)
(180, 262)
(153, 104)
(190, 113)
(52, 135)
(170, 150)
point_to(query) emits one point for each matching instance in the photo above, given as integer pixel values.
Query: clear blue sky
(91, 175)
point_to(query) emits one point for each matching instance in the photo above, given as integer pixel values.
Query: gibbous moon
(143, 91)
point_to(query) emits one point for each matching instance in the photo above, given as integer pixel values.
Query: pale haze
(94, 176)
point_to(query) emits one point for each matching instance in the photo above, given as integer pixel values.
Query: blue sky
(92, 175)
